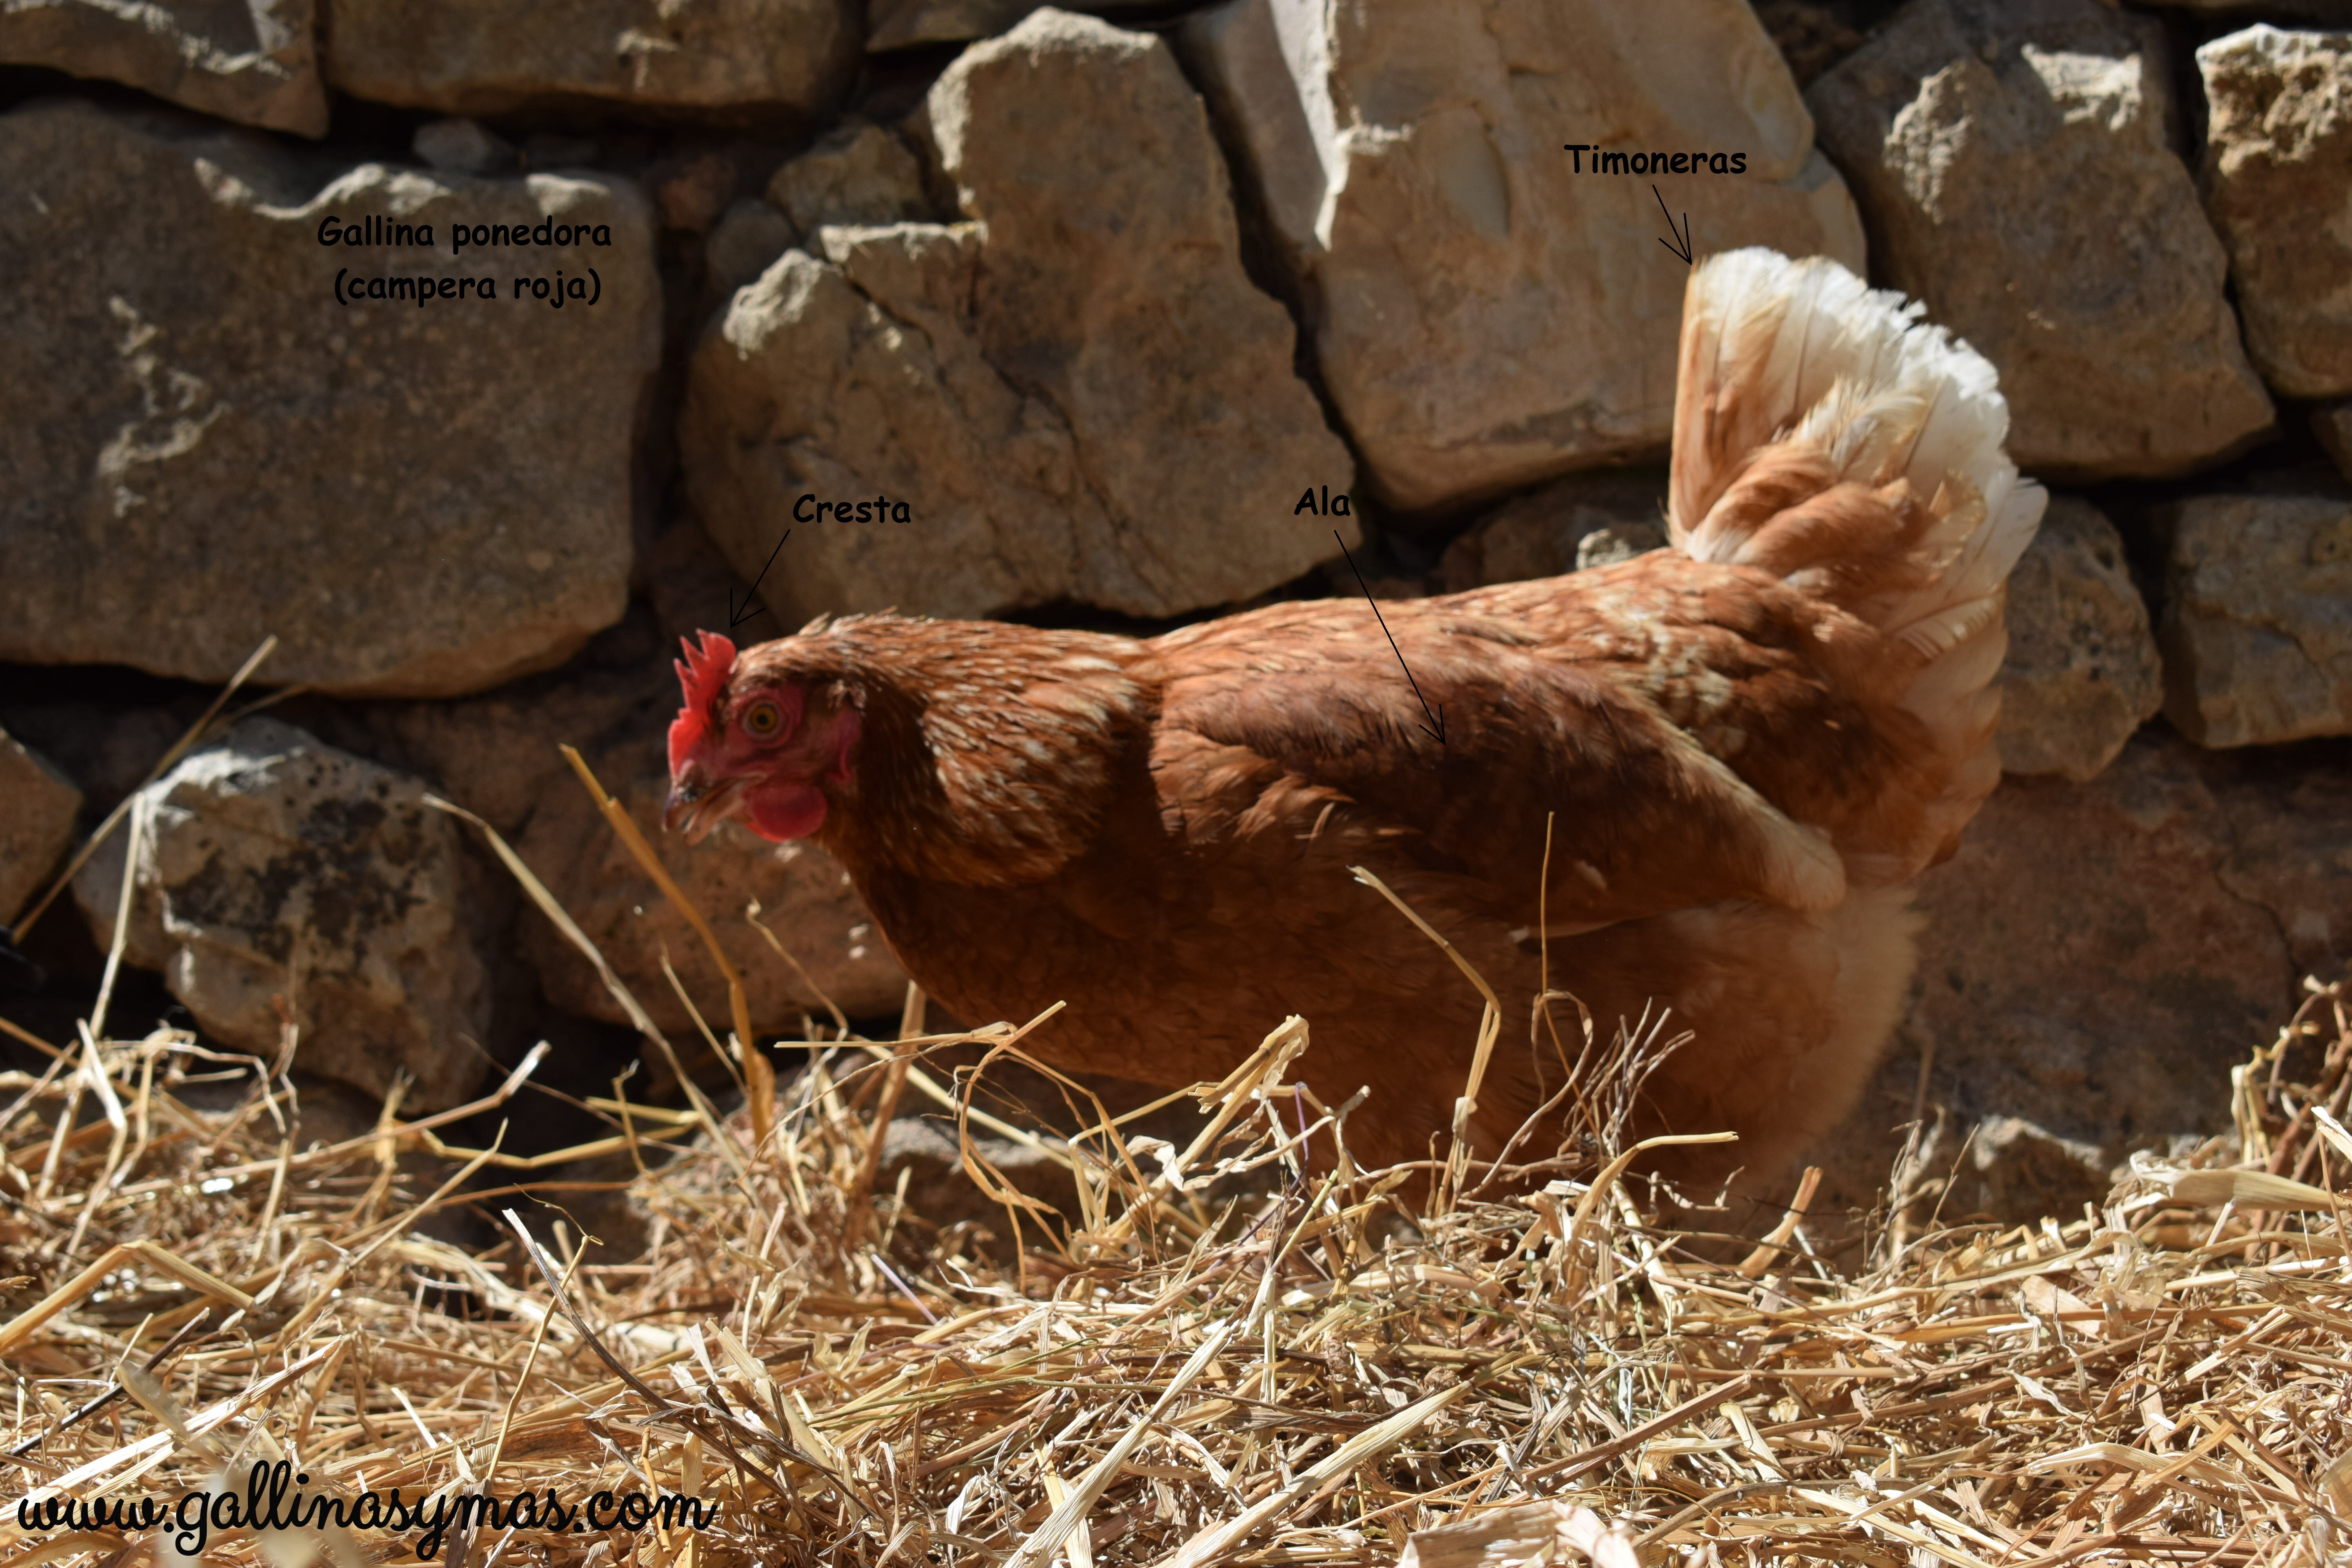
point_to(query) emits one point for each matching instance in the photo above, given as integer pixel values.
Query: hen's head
(765, 745)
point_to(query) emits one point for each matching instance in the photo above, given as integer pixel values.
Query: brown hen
(1747, 745)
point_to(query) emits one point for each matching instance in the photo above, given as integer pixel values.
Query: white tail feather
(1804, 351)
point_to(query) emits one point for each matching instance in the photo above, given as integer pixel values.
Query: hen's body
(1747, 745)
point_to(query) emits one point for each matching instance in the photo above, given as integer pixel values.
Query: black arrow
(1683, 249)
(736, 617)
(1437, 717)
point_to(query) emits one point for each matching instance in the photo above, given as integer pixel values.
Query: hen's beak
(684, 795)
(697, 806)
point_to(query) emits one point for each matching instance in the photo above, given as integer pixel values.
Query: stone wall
(477, 351)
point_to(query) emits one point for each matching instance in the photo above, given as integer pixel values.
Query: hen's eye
(762, 720)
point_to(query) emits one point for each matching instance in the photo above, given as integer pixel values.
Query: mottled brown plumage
(1745, 747)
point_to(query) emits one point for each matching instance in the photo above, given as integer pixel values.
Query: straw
(1249, 1350)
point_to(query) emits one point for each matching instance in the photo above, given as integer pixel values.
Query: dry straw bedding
(1241, 1351)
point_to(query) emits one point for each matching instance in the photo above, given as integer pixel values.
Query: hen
(1748, 745)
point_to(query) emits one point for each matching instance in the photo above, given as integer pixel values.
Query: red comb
(702, 673)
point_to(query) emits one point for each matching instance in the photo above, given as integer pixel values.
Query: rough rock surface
(2099, 300)
(2278, 183)
(1565, 526)
(2082, 671)
(804, 894)
(2257, 629)
(858, 175)
(449, 495)
(38, 807)
(248, 60)
(2096, 957)
(727, 58)
(1527, 324)
(745, 242)
(1073, 398)
(276, 866)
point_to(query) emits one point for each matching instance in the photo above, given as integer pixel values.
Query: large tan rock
(724, 59)
(38, 807)
(1488, 309)
(2095, 958)
(1064, 398)
(249, 60)
(804, 897)
(278, 870)
(2278, 183)
(203, 447)
(2012, 161)
(2082, 671)
(2257, 629)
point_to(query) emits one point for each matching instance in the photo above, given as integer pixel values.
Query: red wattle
(785, 811)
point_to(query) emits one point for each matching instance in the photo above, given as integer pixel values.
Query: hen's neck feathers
(988, 752)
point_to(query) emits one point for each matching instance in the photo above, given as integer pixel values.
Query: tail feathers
(1826, 433)
(1823, 430)
(1799, 367)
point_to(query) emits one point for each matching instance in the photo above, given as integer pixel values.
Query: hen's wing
(1537, 724)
